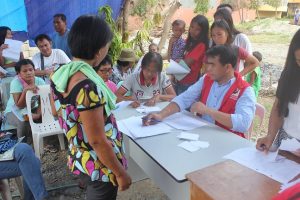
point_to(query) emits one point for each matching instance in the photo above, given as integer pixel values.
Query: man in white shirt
(47, 59)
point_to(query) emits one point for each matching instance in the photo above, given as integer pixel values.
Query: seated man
(47, 59)
(221, 96)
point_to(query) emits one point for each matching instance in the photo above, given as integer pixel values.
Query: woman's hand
(135, 104)
(33, 88)
(152, 101)
(264, 144)
(124, 181)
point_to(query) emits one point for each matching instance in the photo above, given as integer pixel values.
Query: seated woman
(104, 70)
(285, 119)
(25, 164)
(124, 66)
(149, 85)
(24, 81)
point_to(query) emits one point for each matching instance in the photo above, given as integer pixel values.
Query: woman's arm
(20, 98)
(102, 146)
(250, 63)
(275, 123)
(120, 97)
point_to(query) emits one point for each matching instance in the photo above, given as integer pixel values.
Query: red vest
(230, 98)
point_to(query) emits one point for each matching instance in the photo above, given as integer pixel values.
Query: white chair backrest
(44, 93)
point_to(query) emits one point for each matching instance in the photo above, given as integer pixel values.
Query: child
(153, 47)
(254, 78)
(177, 43)
(149, 85)
(104, 70)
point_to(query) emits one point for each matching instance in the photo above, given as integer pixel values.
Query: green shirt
(257, 82)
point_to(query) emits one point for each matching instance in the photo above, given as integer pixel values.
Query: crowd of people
(221, 88)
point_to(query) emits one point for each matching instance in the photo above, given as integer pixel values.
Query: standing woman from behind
(79, 94)
(196, 45)
(285, 119)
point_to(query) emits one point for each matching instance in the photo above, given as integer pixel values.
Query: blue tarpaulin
(36, 16)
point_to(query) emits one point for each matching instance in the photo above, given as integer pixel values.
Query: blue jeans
(25, 164)
(180, 88)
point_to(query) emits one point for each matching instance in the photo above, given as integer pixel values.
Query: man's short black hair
(41, 37)
(88, 35)
(226, 53)
(61, 16)
(224, 5)
(21, 63)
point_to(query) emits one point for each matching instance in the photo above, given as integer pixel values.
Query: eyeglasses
(105, 71)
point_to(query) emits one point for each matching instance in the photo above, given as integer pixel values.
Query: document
(193, 146)
(124, 129)
(184, 121)
(147, 109)
(287, 185)
(281, 170)
(122, 104)
(291, 145)
(13, 51)
(176, 68)
(137, 130)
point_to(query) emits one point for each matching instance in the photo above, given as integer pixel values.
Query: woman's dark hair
(152, 57)
(201, 21)
(41, 37)
(288, 89)
(225, 15)
(223, 25)
(224, 5)
(106, 60)
(3, 32)
(88, 34)
(21, 63)
(122, 63)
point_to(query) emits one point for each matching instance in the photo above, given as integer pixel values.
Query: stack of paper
(147, 109)
(192, 146)
(282, 170)
(179, 70)
(184, 121)
(13, 51)
(291, 145)
(133, 127)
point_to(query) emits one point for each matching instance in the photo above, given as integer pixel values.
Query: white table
(167, 164)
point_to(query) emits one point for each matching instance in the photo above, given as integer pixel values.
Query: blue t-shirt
(61, 42)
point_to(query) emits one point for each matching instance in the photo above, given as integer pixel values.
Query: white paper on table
(290, 145)
(184, 121)
(189, 147)
(200, 144)
(188, 136)
(147, 109)
(175, 68)
(282, 170)
(14, 49)
(124, 129)
(136, 128)
(122, 104)
(287, 185)
(3, 71)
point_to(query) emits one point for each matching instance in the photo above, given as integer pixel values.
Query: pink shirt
(111, 85)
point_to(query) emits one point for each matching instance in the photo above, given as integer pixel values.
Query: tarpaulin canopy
(32, 17)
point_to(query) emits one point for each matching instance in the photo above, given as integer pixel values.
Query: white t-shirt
(134, 83)
(291, 123)
(241, 40)
(57, 57)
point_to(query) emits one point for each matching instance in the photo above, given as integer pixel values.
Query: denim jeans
(180, 88)
(25, 164)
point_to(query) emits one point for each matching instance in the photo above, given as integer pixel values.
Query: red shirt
(291, 193)
(197, 54)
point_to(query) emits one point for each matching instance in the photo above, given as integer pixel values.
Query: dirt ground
(62, 185)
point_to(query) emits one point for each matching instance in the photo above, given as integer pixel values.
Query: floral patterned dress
(82, 159)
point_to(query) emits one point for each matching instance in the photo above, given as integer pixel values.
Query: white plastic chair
(49, 125)
(260, 113)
